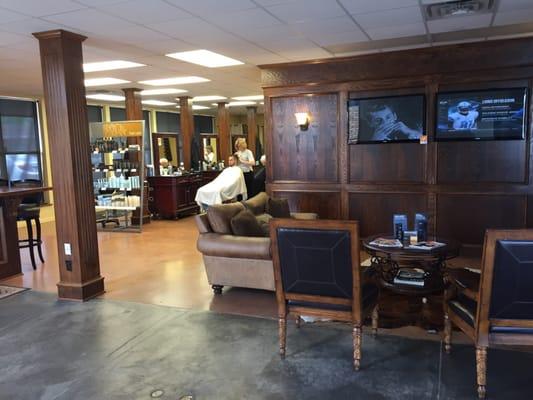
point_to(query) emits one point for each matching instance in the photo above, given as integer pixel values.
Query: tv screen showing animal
(386, 119)
(482, 115)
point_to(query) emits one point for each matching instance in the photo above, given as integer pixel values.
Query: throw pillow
(279, 208)
(245, 224)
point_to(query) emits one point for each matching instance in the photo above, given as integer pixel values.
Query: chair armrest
(308, 216)
(465, 280)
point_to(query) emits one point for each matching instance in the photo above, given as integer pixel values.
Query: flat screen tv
(496, 114)
(386, 119)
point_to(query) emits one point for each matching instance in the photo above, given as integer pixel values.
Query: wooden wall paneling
(431, 147)
(466, 216)
(462, 59)
(310, 155)
(224, 138)
(64, 92)
(483, 161)
(327, 204)
(374, 211)
(134, 111)
(186, 129)
(344, 156)
(251, 121)
(268, 143)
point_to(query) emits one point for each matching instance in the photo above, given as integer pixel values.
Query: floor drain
(156, 394)
(186, 397)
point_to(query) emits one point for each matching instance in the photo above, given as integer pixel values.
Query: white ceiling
(253, 31)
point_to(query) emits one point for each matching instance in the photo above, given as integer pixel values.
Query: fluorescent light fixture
(155, 92)
(205, 58)
(248, 98)
(179, 80)
(198, 107)
(104, 81)
(105, 97)
(208, 98)
(241, 103)
(158, 103)
(110, 65)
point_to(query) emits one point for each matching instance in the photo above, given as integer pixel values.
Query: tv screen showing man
(487, 114)
(388, 119)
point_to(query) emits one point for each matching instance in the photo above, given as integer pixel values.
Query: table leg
(9, 240)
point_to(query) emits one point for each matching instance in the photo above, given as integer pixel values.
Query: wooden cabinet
(172, 196)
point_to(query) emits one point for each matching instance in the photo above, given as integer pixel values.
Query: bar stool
(29, 210)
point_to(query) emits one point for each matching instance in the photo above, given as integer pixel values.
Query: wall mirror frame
(165, 145)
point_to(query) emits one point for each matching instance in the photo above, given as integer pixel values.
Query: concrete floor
(107, 349)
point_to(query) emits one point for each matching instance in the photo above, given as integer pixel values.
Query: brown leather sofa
(232, 260)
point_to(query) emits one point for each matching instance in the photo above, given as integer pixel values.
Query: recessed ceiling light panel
(105, 97)
(208, 98)
(155, 92)
(158, 103)
(205, 58)
(110, 65)
(179, 80)
(248, 98)
(104, 81)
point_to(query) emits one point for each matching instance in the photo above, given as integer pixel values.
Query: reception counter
(173, 196)
(10, 199)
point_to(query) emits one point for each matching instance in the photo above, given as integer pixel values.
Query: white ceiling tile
(307, 54)
(243, 21)
(459, 23)
(355, 36)
(10, 16)
(514, 17)
(306, 10)
(137, 34)
(366, 6)
(271, 33)
(7, 38)
(28, 26)
(91, 21)
(397, 16)
(511, 5)
(40, 8)
(215, 7)
(395, 31)
(266, 3)
(168, 46)
(326, 26)
(98, 3)
(137, 12)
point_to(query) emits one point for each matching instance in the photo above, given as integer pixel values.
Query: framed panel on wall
(387, 119)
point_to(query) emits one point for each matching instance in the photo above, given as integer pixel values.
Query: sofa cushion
(220, 216)
(257, 204)
(264, 220)
(279, 208)
(246, 224)
(215, 245)
(202, 223)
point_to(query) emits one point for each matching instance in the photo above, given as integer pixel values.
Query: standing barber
(246, 162)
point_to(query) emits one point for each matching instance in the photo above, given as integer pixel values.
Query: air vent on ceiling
(447, 9)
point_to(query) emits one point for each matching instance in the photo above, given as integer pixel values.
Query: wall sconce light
(302, 119)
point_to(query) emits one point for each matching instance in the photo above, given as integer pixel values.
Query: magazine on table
(383, 242)
(427, 245)
(410, 276)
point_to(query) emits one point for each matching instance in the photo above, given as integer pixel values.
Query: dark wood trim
(251, 120)
(187, 128)
(224, 137)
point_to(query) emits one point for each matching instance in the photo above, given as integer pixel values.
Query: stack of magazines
(428, 245)
(410, 276)
(382, 242)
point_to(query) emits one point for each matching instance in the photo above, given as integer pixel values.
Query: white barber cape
(226, 186)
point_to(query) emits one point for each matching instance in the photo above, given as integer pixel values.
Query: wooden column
(187, 128)
(134, 110)
(68, 129)
(251, 114)
(226, 148)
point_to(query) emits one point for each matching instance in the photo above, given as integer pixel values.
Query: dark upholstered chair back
(512, 283)
(315, 261)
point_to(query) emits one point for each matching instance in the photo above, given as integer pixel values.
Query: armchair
(496, 307)
(317, 273)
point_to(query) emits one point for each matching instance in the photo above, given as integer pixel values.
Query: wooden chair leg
(282, 335)
(357, 337)
(447, 334)
(375, 320)
(298, 321)
(481, 366)
(39, 239)
(30, 242)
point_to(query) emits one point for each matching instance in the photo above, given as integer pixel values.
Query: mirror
(210, 150)
(166, 153)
